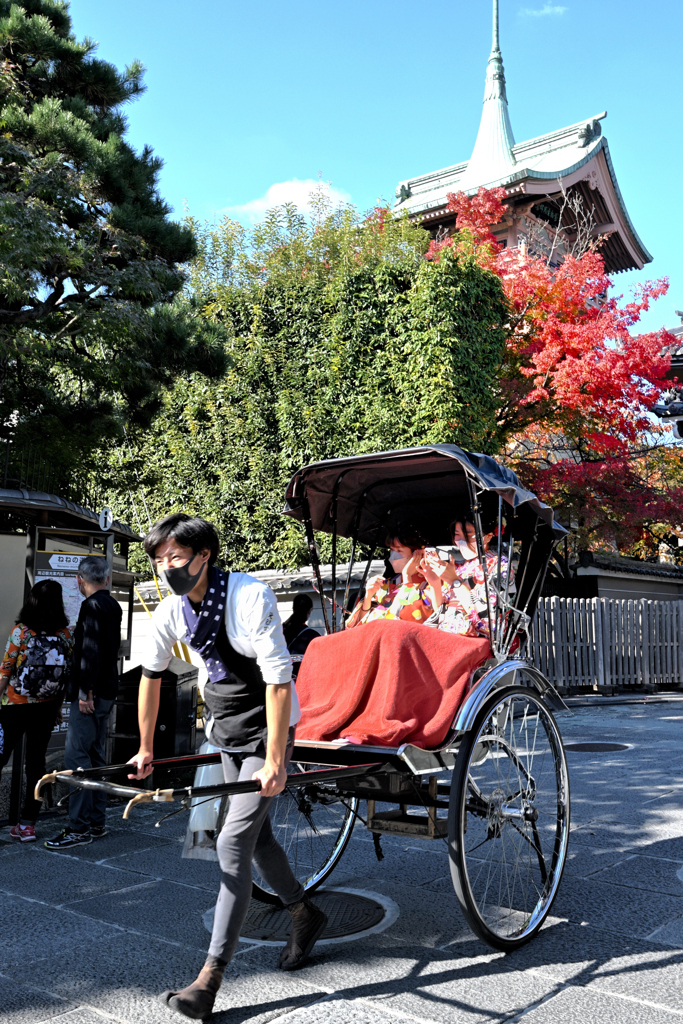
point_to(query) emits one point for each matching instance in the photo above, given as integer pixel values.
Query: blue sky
(243, 97)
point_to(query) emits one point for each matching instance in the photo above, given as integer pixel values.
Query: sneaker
(67, 838)
(24, 833)
(98, 831)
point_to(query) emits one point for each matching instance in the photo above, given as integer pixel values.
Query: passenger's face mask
(180, 580)
(466, 551)
(398, 561)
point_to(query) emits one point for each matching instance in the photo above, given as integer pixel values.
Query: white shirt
(253, 626)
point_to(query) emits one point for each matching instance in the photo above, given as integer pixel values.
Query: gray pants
(85, 749)
(247, 835)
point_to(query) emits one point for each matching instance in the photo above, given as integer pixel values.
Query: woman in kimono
(403, 594)
(458, 589)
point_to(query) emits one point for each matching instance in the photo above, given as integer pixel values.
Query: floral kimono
(398, 600)
(464, 608)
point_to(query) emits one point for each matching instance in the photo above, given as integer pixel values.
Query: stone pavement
(95, 935)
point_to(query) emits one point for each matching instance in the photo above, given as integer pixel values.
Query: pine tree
(92, 320)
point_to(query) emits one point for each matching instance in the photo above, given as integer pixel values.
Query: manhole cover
(595, 748)
(347, 914)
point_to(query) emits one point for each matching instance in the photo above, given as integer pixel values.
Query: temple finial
(492, 158)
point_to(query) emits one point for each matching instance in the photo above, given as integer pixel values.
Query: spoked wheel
(508, 819)
(313, 825)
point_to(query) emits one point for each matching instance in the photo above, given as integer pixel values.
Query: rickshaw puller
(231, 620)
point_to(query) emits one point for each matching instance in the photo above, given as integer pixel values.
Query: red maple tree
(576, 386)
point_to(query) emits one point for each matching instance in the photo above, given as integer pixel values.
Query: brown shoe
(308, 924)
(196, 1001)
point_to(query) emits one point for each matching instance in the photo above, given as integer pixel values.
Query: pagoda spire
(492, 157)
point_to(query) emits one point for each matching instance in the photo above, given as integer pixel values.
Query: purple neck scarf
(203, 626)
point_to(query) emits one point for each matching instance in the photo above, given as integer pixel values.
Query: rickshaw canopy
(354, 496)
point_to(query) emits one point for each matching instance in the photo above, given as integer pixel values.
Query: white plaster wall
(141, 623)
(12, 573)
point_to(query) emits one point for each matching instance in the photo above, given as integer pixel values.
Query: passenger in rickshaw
(458, 589)
(405, 594)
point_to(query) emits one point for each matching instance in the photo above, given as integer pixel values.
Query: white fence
(608, 643)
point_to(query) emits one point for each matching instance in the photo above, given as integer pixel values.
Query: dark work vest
(238, 702)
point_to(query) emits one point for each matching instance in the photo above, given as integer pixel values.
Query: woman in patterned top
(41, 619)
(403, 595)
(461, 587)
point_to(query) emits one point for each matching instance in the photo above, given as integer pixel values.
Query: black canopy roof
(428, 482)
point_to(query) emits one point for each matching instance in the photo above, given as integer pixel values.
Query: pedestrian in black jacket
(94, 686)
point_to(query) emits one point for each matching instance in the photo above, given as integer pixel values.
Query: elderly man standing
(94, 686)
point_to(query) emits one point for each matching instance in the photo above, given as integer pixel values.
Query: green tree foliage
(90, 263)
(343, 339)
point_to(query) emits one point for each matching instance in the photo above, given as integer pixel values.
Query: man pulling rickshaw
(428, 711)
(231, 620)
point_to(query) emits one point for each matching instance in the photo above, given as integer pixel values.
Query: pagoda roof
(577, 155)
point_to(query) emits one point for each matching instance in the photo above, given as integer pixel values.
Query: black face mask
(180, 580)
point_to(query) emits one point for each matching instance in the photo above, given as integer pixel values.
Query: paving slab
(338, 1011)
(58, 878)
(580, 954)
(23, 1005)
(617, 908)
(126, 978)
(164, 909)
(34, 930)
(652, 976)
(648, 874)
(165, 861)
(81, 1016)
(670, 933)
(468, 982)
(576, 1006)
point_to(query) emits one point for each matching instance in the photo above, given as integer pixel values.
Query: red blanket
(386, 683)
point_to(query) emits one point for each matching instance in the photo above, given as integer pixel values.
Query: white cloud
(542, 12)
(294, 191)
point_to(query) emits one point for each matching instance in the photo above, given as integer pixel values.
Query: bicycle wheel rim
(313, 825)
(504, 886)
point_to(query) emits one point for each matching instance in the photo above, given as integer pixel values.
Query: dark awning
(58, 512)
(428, 482)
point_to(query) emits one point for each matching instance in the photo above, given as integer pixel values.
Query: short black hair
(406, 533)
(43, 610)
(489, 523)
(190, 531)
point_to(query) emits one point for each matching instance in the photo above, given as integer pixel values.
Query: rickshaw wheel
(313, 826)
(508, 818)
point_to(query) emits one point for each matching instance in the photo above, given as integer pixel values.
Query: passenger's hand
(87, 707)
(443, 568)
(272, 778)
(432, 577)
(142, 764)
(413, 566)
(374, 584)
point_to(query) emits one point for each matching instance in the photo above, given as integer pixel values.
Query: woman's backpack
(44, 672)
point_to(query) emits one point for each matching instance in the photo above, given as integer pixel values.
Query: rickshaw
(495, 790)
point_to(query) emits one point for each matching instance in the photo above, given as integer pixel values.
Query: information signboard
(62, 566)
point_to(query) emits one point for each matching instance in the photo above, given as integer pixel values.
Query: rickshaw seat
(385, 683)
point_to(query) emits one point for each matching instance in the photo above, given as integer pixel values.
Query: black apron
(238, 702)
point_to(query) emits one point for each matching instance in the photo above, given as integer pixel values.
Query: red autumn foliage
(576, 384)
